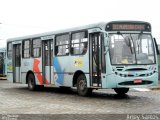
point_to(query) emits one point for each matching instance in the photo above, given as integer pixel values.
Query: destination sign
(126, 26)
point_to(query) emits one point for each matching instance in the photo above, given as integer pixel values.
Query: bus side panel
(81, 63)
(88, 80)
(9, 70)
(67, 80)
(23, 77)
(61, 70)
(36, 67)
(26, 65)
(65, 68)
(109, 80)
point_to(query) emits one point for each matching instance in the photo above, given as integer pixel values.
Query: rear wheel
(121, 91)
(82, 86)
(31, 82)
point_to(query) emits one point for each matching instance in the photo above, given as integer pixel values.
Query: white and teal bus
(2, 62)
(118, 55)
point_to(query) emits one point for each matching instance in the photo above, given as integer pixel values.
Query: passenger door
(95, 59)
(16, 63)
(47, 58)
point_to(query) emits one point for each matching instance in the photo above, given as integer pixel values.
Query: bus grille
(144, 82)
(135, 75)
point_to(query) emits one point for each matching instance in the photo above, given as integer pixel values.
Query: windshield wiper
(133, 44)
(138, 41)
(125, 38)
(134, 48)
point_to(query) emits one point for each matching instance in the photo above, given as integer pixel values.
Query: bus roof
(100, 25)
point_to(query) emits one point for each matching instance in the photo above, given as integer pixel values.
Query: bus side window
(26, 49)
(36, 50)
(56, 50)
(62, 45)
(84, 48)
(79, 43)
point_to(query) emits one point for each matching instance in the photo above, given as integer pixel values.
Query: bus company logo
(78, 62)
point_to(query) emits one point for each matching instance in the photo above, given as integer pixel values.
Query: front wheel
(82, 86)
(121, 91)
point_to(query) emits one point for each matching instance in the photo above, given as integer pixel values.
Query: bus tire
(82, 86)
(121, 91)
(31, 82)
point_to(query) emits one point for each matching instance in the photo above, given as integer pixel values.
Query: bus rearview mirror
(156, 46)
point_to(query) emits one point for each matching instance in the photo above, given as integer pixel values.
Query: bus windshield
(131, 49)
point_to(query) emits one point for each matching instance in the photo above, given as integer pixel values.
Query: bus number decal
(78, 62)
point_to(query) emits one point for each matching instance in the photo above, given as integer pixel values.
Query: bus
(116, 55)
(2, 63)
(158, 57)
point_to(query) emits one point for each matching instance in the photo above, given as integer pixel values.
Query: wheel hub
(82, 85)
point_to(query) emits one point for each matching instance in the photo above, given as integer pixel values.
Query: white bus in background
(3, 71)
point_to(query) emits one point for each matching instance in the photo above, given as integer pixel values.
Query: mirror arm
(156, 46)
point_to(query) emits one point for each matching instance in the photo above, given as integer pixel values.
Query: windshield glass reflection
(131, 49)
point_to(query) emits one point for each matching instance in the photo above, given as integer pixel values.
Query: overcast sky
(23, 17)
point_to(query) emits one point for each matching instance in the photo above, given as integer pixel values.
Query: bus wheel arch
(29, 72)
(30, 80)
(80, 81)
(75, 77)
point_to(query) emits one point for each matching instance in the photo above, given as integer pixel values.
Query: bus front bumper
(115, 81)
